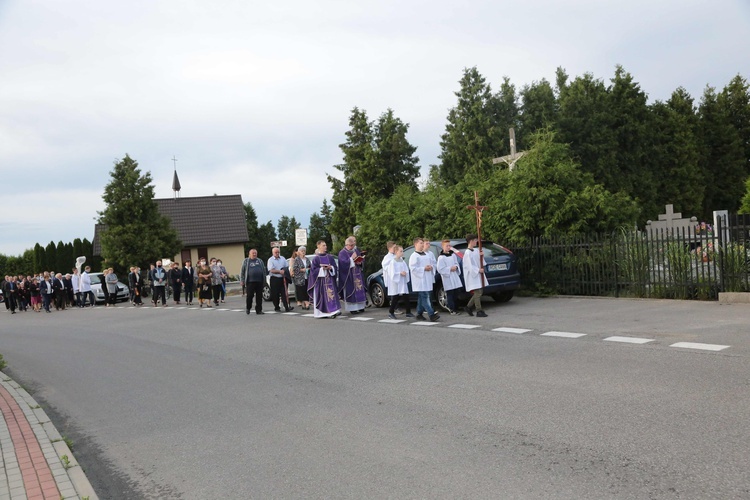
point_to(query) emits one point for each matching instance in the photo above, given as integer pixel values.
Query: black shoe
(481, 314)
(434, 317)
(454, 312)
(391, 316)
(289, 309)
(421, 317)
(409, 315)
(277, 309)
(247, 311)
(259, 312)
(469, 311)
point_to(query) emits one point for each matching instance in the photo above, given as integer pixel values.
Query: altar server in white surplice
(422, 279)
(398, 290)
(385, 263)
(474, 277)
(450, 272)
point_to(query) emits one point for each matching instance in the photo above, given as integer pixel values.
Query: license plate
(497, 267)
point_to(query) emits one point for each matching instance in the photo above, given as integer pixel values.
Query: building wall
(230, 255)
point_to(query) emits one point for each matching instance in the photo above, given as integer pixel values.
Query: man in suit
(10, 290)
(60, 293)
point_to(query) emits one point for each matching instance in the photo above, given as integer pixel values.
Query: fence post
(613, 247)
(721, 244)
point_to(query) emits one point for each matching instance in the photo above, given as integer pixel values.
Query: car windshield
(95, 279)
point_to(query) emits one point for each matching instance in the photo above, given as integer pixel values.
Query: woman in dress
(204, 283)
(299, 271)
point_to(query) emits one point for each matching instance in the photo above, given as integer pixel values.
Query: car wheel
(377, 295)
(442, 297)
(266, 293)
(503, 296)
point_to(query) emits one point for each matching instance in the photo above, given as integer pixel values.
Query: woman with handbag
(299, 270)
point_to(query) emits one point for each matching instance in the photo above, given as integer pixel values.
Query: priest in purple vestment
(321, 284)
(351, 280)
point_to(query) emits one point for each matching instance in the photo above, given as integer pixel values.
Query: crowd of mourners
(322, 283)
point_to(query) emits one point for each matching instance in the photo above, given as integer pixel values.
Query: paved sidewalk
(36, 462)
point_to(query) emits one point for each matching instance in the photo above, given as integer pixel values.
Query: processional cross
(478, 209)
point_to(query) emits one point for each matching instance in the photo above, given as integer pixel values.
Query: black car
(501, 269)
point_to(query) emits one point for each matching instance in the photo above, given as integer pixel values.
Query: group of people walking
(321, 282)
(208, 281)
(46, 290)
(330, 286)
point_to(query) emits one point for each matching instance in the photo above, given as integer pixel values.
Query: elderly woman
(111, 281)
(299, 270)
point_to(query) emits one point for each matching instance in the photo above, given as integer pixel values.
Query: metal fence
(687, 263)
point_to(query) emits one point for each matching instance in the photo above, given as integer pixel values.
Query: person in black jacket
(175, 278)
(60, 294)
(10, 291)
(135, 283)
(188, 281)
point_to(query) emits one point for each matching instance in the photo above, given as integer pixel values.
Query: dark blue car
(501, 269)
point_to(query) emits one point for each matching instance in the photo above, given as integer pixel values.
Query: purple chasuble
(351, 282)
(323, 290)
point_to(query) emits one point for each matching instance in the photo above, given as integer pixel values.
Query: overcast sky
(253, 98)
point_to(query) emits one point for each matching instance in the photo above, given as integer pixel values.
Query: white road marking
(567, 335)
(423, 323)
(290, 314)
(629, 340)
(361, 318)
(463, 326)
(271, 312)
(510, 330)
(696, 345)
(392, 321)
(238, 310)
(311, 315)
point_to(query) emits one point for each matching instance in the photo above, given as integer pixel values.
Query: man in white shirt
(276, 265)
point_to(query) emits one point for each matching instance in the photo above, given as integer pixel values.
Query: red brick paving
(37, 476)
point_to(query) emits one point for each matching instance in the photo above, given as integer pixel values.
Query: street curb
(734, 298)
(71, 480)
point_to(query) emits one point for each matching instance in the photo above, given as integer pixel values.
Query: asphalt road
(180, 403)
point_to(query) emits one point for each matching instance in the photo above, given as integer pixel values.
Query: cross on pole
(478, 209)
(174, 159)
(514, 156)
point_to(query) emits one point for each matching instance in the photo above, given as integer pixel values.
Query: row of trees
(60, 257)
(260, 236)
(599, 157)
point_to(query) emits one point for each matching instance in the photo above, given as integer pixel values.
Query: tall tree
(318, 227)
(630, 120)
(285, 229)
(266, 234)
(135, 232)
(721, 154)
(50, 261)
(735, 99)
(584, 122)
(674, 156)
(39, 258)
(77, 247)
(61, 262)
(358, 156)
(377, 159)
(473, 135)
(549, 194)
(539, 109)
(251, 219)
